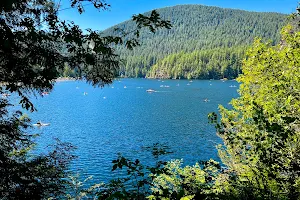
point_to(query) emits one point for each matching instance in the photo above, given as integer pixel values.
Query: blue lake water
(122, 120)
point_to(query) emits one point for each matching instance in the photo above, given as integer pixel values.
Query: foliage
(261, 132)
(196, 28)
(135, 184)
(23, 175)
(206, 64)
(163, 180)
(77, 189)
(190, 182)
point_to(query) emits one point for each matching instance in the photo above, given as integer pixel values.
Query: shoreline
(195, 79)
(64, 79)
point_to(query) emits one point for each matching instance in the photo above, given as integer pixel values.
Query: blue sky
(122, 10)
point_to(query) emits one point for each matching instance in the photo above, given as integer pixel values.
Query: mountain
(204, 42)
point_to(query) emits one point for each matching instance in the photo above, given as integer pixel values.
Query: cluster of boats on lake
(166, 86)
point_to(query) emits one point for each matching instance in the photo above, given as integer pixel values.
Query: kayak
(41, 124)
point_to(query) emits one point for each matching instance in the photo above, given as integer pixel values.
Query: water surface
(115, 119)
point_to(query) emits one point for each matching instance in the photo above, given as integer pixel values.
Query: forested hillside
(201, 64)
(205, 42)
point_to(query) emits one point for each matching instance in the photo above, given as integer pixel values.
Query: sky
(122, 10)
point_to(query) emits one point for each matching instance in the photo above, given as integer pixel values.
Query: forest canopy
(197, 28)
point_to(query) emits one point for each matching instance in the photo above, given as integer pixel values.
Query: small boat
(85, 93)
(112, 87)
(150, 90)
(104, 97)
(191, 81)
(161, 86)
(166, 86)
(232, 86)
(188, 84)
(39, 124)
(5, 95)
(77, 87)
(45, 93)
(125, 87)
(205, 100)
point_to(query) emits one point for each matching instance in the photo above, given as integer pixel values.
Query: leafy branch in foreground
(261, 132)
(35, 45)
(135, 184)
(163, 180)
(77, 189)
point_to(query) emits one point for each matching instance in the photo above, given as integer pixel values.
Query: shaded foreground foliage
(24, 176)
(35, 47)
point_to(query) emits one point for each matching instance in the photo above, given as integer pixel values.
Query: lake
(115, 119)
